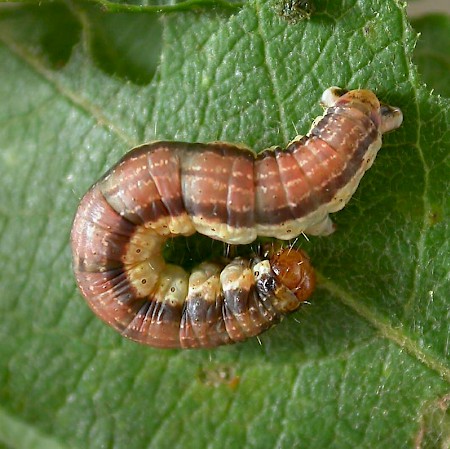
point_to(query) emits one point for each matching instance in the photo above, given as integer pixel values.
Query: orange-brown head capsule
(294, 270)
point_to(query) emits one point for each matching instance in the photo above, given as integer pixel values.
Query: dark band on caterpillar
(162, 190)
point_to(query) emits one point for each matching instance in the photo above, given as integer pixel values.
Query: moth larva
(163, 190)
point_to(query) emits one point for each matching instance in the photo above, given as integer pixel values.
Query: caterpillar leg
(297, 138)
(331, 95)
(324, 227)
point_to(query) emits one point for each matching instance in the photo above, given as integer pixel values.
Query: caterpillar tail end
(391, 118)
(388, 117)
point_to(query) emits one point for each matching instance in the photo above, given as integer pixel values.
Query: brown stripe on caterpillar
(163, 190)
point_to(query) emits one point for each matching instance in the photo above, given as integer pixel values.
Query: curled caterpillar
(163, 190)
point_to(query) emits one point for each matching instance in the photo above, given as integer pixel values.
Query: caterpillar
(162, 190)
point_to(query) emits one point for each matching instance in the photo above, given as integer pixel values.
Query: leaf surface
(365, 365)
(432, 55)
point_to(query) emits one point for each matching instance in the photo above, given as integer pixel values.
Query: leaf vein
(75, 98)
(397, 335)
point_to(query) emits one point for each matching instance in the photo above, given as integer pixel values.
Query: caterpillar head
(293, 269)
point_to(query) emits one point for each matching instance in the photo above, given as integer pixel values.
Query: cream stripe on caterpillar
(163, 190)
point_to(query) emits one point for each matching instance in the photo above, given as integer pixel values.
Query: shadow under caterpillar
(162, 190)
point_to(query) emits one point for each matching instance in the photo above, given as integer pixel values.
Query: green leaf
(432, 55)
(365, 365)
(121, 54)
(50, 30)
(164, 6)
